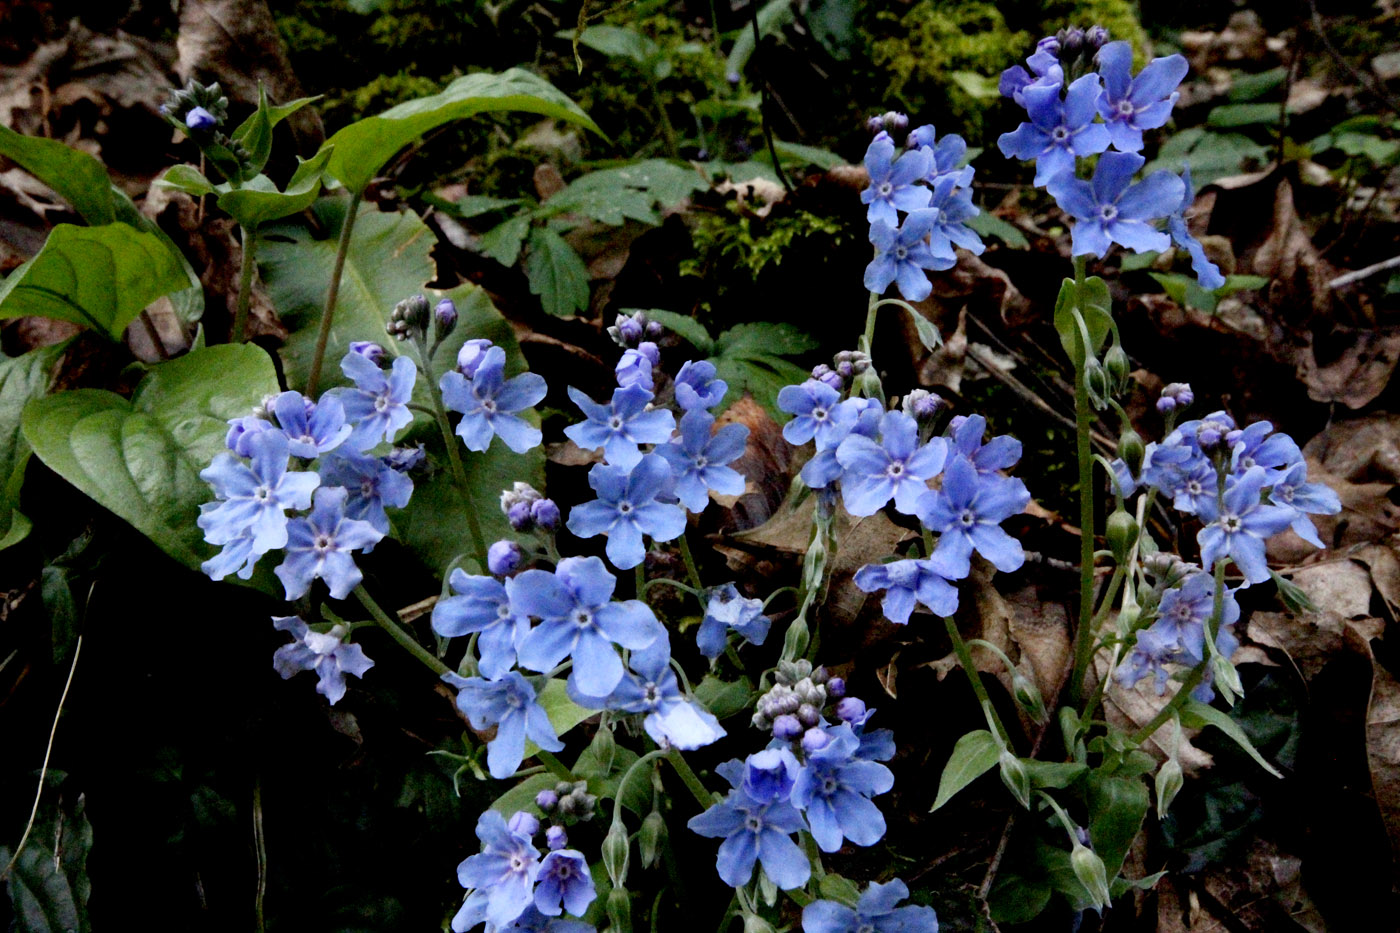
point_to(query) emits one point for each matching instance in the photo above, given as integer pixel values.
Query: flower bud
(790, 672)
(1227, 679)
(413, 312)
(1169, 782)
(370, 351)
(547, 800)
(753, 923)
(200, 120)
(619, 910)
(519, 516)
(545, 513)
(603, 748)
(1131, 451)
(1016, 778)
(556, 838)
(814, 740)
(851, 709)
(1116, 362)
(1028, 696)
(651, 351)
(406, 459)
(797, 637)
(503, 557)
(922, 405)
(524, 823)
(875, 124)
(786, 726)
(836, 688)
(616, 853)
(654, 328)
(444, 318)
(894, 120)
(650, 837)
(808, 715)
(628, 330)
(1096, 383)
(470, 357)
(1095, 38)
(1090, 871)
(825, 374)
(1121, 531)
(1071, 43)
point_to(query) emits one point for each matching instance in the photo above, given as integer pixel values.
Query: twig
(1359, 274)
(1022, 390)
(44, 770)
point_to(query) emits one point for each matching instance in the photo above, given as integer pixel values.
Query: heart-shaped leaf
(259, 201)
(21, 378)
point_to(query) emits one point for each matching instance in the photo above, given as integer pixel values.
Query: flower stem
(689, 778)
(332, 292)
(399, 634)
(555, 766)
(970, 669)
(454, 456)
(690, 568)
(245, 282)
(1083, 418)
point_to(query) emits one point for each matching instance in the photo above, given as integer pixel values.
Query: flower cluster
(1177, 633)
(326, 653)
(817, 774)
(513, 888)
(1071, 118)
(928, 184)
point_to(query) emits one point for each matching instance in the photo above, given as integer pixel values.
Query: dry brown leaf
(1356, 375)
(1341, 589)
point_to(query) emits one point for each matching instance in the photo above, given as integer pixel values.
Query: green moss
(736, 240)
(1119, 17)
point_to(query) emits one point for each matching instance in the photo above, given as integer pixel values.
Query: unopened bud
(200, 120)
(814, 740)
(1090, 871)
(1015, 777)
(894, 120)
(1028, 696)
(1121, 532)
(616, 853)
(1169, 782)
(1095, 38)
(851, 709)
(547, 800)
(922, 405)
(836, 688)
(519, 516)
(1116, 362)
(650, 838)
(619, 910)
(503, 557)
(1096, 383)
(524, 823)
(545, 513)
(808, 715)
(786, 726)
(370, 351)
(1132, 451)
(414, 313)
(753, 923)
(444, 318)
(556, 838)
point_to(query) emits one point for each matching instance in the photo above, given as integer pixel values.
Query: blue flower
(902, 255)
(1015, 80)
(311, 428)
(1110, 210)
(1130, 105)
(1257, 445)
(651, 687)
(1293, 491)
(697, 387)
(627, 508)
(1058, 130)
(946, 155)
(698, 459)
(509, 703)
(893, 182)
(378, 405)
(755, 831)
(618, 428)
(502, 876)
(241, 432)
(770, 775)
(812, 404)
(875, 912)
(1207, 272)
(834, 790)
(579, 619)
(967, 513)
(564, 884)
(488, 402)
(532, 921)
(951, 207)
(634, 368)
(200, 120)
(250, 515)
(1238, 530)
(320, 545)
(372, 483)
(853, 416)
(1000, 453)
(482, 607)
(1150, 654)
(327, 655)
(726, 609)
(897, 467)
(906, 582)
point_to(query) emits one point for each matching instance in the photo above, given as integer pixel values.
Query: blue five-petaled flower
(510, 704)
(489, 403)
(627, 507)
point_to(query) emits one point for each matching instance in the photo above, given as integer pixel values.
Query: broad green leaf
(1209, 715)
(1117, 807)
(259, 201)
(797, 153)
(612, 195)
(49, 886)
(687, 327)
(556, 273)
(140, 458)
(973, 756)
(1229, 116)
(724, 698)
(1019, 900)
(364, 147)
(1097, 313)
(1246, 88)
(503, 242)
(1210, 155)
(750, 358)
(255, 133)
(837, 888)
(989, 224)
(188, 179)
(188, 302)
(1053, 773)
(99, 277)
(615, 41)
(563, 712)
(22, 378)
(522, 796)
(75, 176)
(473, 205)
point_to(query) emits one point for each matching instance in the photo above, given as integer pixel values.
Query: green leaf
(840, 889)
(364, 147)
(259, 201)
(22, 378)
(797, 153)
(989, 224)
(615, 42)
(503, 241)
(188, 179)
(973, 756)
(1117, 807)
(1210, 155)
(687, 327)
(49, 886)
(724, 698)
(1097, 313)
(473, 205)
(750, 358)
(556, 273)
(563, 712)
(522, 795)
(255, 133)
(772, 16)
(1195, 714)
(611, 195)
(100, 277)
(1019, 900)
(1245, 88)
(1053, 773)
(1230, 116)
(140, 458)
(75, 176)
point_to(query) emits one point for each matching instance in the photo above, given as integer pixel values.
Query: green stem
(690, 568)
(555, 766)
(643, 761)
(1083, 418)
(639, 578)
(245, 282)
(332, 291)
(867, 341)
(689, 778)
(970, 669)
(459, 471)
(399, 634)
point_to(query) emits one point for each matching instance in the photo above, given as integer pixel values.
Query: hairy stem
(245, 283)
(970, 669)
(690, 567)
(1083, 419)
(689, 778)
(399, 633)
(459, 470)
(323, 335)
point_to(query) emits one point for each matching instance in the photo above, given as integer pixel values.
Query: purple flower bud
(786, 726)
(547, 800)
(732, 77)
(1165, 404)
(808, 715)
(875, 124)
(629, 330)
(545, 513)
(369, 350)
(556, 838)
(836, 688)
(845, 370)
(1071, 42)
(1180, 393)
(518, 514)
(470, 357)
(894, 120)
(1048, 44)
(523, 823)
(503, 557)
(1095, 37)
(825, 374)
(406, 459)
(814, 740)
(200, 120)
(850, 709)
(921, 404)
(650, 350)
(444, 318)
